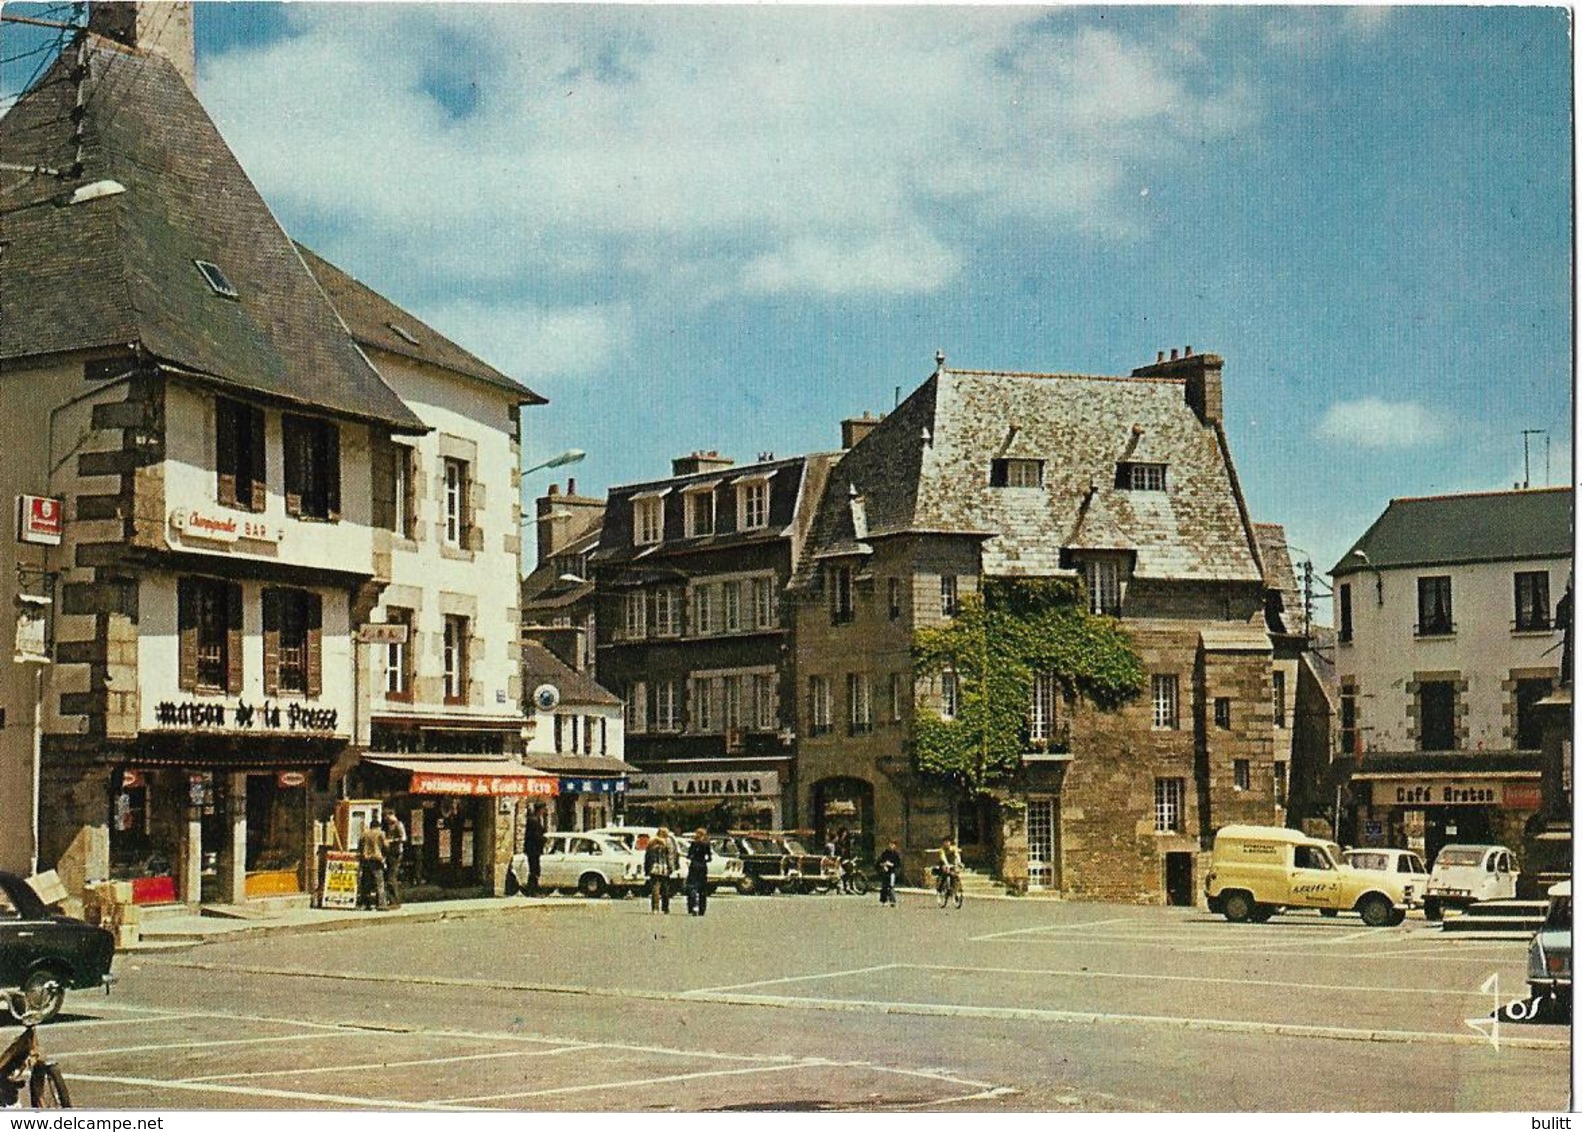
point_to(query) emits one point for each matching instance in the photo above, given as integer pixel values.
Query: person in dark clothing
(889, 871)
(658, 864)
(395, 847)
(533, 848)
(698, 857)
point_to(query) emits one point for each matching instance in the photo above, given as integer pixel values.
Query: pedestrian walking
(658, 866)
(889, 872)
(533, 848)
(371, 868)
(698, 857)
(395, 849)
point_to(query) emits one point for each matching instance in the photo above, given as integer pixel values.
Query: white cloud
(530, 342)
(1375, 423)
(787, 150)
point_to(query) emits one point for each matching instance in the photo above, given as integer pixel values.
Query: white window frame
(764, 611)
(731, 606)
(1166, 701)
(732, 708)
(765, 708)
(1105, 579)
(405, 481)
(635, 615)
(1144, 476)
(703, 618)
(1241, 769)
(949, 595)
(456, 476)
(897, 683)
(1169, 805)
(1042, 708)
(949, 695)
(703, 717)
(859, 703)
(699, 505)
(667, 705)
(822, 705)
(648, 520)
(1024, 473)
(454, 656)
(752, 504)
(637, 708)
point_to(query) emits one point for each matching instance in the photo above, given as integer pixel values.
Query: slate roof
(374, 320)
(1443, 530)
(540, 666)
(119, 271)
(925, 469)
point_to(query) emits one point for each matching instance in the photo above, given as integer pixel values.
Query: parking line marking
(796, 979)
(628, 1084)
(157, 1047)
(373, 1103)
(491, 1056)
(1081, 974)
(1056, 928)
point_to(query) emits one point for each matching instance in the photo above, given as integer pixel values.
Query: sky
(728, 228)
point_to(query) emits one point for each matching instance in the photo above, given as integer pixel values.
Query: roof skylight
(216, 278)
(403, 332)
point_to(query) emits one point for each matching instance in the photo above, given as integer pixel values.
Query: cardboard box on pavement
(48, 886)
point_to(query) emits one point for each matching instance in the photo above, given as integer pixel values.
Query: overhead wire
(116, 100)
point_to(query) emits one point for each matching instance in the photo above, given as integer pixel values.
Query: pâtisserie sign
(268, 716)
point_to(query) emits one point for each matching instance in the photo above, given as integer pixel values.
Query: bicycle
(23, 1065)
(948, 886)
(852, 882)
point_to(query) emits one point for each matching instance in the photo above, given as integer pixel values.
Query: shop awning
(474, 777)
(586, 774)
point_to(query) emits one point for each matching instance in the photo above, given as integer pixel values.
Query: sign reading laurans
(40, 519)
(743, 784)
(198, 524)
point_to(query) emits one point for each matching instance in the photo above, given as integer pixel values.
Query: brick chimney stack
(1204, 377)
(853, 429)
(690, 465)
(564, 518)
(162, 27)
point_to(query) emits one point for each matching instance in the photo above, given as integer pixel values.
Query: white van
(1465, 874)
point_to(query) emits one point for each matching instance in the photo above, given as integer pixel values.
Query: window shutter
(315, 619)
(225, 454)
(258, 466)
(332, 471)
(271, 642)
(292, 437)
(233, 638)
(187, 630)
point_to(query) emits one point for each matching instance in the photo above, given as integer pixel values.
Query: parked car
(774, 860)
(1399, 871)
(586, 862)
(725, 870)
(1257, 871)
(44, 954)
(1549, 954)
(1465, 874)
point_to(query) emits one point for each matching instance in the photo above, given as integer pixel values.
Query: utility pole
(1527, 471)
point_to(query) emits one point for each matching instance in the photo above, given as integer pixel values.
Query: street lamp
(82, 194)
(569, 456)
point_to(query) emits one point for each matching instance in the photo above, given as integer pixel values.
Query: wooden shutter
(272, 642)
(225, 454)
(187, 631)
(332, 471)
(315, 621)
(233, 638)
(292, 433)
(257, 463)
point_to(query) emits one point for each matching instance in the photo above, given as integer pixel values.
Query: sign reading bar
(222, 526)
(482, 785)
(375, 633)
(40, 519)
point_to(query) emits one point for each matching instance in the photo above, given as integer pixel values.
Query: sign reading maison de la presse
(747, 784)
(198, 715)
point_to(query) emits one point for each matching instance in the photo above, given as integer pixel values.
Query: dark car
(774, 860)
(44, 954)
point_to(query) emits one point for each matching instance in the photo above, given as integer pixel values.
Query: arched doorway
(844, 803)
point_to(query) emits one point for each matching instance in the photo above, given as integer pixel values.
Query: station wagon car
(1399, 871)
(725, 870)
(44, 954)
(775, 861)
(589, 863)
(1549, 954)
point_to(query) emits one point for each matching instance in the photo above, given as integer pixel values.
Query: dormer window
(1141, 477)
(1106, 578)
(699, 511)
(752, 504)
(216, 278)
(1016, 473)
(648, 518)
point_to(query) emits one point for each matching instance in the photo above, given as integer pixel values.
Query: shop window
(293, 643)
(1434, 617)
(457, 638)
(1532, 600)
(209, 618)
(239, 454)
(1166, 702)
(1529, 726)
(1436, 715)
(313, 467)
(398, 657)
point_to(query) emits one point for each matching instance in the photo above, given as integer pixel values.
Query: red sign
(1523, 796)
(481, 785)
(39, 519)
(291, 779)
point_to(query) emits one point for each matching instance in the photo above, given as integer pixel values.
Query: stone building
(1125, 482)
(216, 450)
(694, 635)
(1449, 639)
(557, 594)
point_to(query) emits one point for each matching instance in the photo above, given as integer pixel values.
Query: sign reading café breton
(1452, 792)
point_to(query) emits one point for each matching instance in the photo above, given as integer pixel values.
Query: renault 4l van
(1259, 870)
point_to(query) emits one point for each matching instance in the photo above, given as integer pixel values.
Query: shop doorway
(1178, 880)
(1043, 845)
(1450, 825)
(450, 842)
(844, 804)
(975, 824)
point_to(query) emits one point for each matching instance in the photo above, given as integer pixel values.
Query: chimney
(563, 519)
(852, 430)
(710, 461)
(160, 27)
(1204, 378)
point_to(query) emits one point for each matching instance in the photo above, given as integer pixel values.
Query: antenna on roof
(1527, 471)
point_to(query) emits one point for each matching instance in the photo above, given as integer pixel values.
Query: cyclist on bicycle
(949, 861)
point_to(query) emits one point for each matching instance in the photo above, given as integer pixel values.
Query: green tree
(998, 641)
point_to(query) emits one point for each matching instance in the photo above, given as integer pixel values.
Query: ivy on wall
(997, 642)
